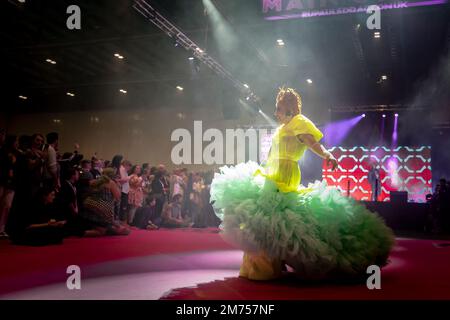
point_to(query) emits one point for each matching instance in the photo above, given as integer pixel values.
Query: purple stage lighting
(383, 120)
(335, 132)
(394, 133)
(384, 116)
(363, 115)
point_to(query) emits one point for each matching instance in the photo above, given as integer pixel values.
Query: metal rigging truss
(145, 9)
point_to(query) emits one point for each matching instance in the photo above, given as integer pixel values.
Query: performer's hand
(332, 161)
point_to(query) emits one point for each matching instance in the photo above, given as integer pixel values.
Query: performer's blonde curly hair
(291, 99)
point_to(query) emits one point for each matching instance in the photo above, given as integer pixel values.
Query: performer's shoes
(260, 267)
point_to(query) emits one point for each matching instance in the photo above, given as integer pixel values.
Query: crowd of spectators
(46, 195)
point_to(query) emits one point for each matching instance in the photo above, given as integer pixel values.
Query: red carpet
(419, 269)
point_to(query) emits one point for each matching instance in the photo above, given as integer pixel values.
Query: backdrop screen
(401, 169)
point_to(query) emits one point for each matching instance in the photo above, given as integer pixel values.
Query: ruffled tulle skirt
(315, 230)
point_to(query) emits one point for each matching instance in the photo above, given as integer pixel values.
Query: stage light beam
(336, 132)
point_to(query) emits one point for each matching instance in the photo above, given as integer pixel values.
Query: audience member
(8, 161)
(136, 192)
(124, 181)
(38, 226)
(96, 168)
(51, 167)
(171, 217)
(145, 217)
(84, 182)
(99, 206)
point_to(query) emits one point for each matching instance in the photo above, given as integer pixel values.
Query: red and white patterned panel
(401, 169)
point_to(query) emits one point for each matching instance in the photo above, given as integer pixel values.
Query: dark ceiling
(344, 62)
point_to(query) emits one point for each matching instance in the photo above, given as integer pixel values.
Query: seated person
(171, 217)
(84, 182)
(98, 208)
(37, 226)
(146, 216)
(66, 199)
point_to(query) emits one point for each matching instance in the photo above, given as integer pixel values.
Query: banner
(293, 9)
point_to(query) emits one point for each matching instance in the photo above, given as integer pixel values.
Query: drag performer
(277, 221)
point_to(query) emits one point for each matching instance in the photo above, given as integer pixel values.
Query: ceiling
(345, 62)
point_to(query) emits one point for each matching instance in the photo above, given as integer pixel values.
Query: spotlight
(280, 42)
(248, 98)
(384, 77)
(180, 88)
(363, 115)
(70, 94)
(377, 35)
(396, 114)
(309, 81)
(23, 97)
(384, 116)
(199, 50)
(246, 85)
(191, 58)
(50, 61)
(123, 91)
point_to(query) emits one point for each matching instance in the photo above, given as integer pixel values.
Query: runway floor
(198, 264)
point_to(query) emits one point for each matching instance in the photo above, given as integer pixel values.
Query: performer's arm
(318, 149)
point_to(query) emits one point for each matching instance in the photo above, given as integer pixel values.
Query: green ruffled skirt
(316, 230)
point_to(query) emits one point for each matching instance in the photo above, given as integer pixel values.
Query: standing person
(8, 161)
(136, 193)
(165, 180)
(124, 182)
(36, 161)
(316, 230)
(146, 180)
(196, 200)
(158, 192)
(374, 180)
(208, 216)
(51, 167)
(97, 167)
(115, 164)
(176, 184)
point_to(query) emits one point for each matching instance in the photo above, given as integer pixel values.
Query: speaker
(399, 196)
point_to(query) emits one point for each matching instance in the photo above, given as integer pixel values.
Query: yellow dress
(275, 220)
(282, 167)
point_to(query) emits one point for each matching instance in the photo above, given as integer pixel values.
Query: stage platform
(401, 216)
(198, 264)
